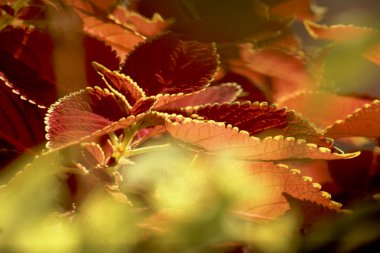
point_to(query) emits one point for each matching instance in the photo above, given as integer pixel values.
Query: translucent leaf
(168, 65)
(349, 34)
(121, 39)
(362, 122)
(314, 104)
(260, 120)
(120, 83)
(291, 69)
(218, 137)
(81, 114)
(226, 92)
(272, 181)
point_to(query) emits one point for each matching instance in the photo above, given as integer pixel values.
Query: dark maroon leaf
(120, 83)
(168, 65)
(213, 20)
(355, 180)
(310, 211)
(143, 105)
(27, 62)
(21, 123)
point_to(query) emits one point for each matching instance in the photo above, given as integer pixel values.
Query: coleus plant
(163, 87)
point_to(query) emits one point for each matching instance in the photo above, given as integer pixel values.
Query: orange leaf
(217, 137)
(275, 180)
(260, 120)
(320, 107)
(362, 122)
(349, 34)
(291, 69)
(120, 38)
(139, 23)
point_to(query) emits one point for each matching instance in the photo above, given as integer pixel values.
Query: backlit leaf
(121, 83)
(217, 137)
(260, 120)
(167, 65)
(349, 34)
(313, 105)
(121, 39)
(226, 92)
(362, 122)
(81, 114)
(272, 181)
(291, 69)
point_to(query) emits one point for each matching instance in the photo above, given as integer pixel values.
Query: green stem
(122, 146)
(139, 151)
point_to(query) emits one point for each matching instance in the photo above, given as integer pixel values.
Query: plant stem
(145, 150)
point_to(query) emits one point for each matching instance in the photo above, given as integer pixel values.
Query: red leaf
(97, 51)
(168, 65)
(26, 60)
(218, 137)
(28, 63)
(314, 104)
(21, 122)
(119, 83)
(260, 120)
(143, 105)
(82, 114)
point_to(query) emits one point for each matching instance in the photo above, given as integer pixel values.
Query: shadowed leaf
(301, 9)
(168, 65)
(27, 62)
(21, 123)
